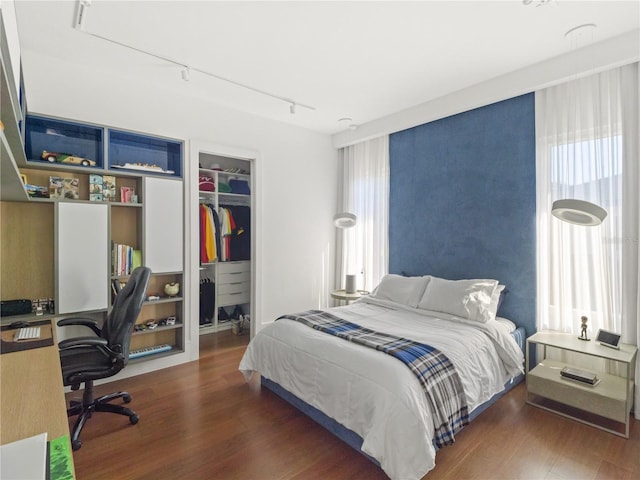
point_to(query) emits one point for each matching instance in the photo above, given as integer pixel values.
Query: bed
(366, 395)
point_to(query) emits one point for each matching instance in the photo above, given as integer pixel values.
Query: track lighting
(81, 14)
(186, 70)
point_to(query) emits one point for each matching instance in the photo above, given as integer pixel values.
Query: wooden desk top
(32, 395)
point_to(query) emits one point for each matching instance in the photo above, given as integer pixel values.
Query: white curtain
(587, 134)
(363, 190)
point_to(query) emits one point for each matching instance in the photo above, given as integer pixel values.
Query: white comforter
(374, 394)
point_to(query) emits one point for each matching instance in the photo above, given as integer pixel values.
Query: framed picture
(608, 339)
(62, 187)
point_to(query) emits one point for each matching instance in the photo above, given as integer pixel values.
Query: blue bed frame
(353, 439)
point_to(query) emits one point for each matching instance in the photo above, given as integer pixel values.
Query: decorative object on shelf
(61, 187)
(350, 284)
(23, 177)
(172, 289)
(109, 188)
(37, 191)
(95, 188)
(67, 158)
(609, 339)
(583, 329)
(126, 194)
(206, 183)
(144, 166)
(578, 212)
(240, 187)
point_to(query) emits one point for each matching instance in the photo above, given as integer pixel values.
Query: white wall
(296, 190)
(615, 52)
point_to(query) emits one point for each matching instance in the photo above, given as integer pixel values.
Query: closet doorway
(222, 244)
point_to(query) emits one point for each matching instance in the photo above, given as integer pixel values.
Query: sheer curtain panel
(587, 133)
(364, 190)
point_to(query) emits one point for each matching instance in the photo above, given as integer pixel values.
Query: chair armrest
(85, 322)
(82, 342)
(98, 342)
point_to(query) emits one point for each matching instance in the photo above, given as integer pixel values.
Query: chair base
(88, 405)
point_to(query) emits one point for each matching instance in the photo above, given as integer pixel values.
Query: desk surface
(32, 395)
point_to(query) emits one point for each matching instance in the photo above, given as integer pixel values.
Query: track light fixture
(186, 71)
(81, 14)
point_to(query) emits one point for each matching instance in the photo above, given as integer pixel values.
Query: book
(126, 194)
(95, 188)
(62, 187)
(109, 188)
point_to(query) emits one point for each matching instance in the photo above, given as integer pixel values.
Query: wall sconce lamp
(578, 212)
(344, 220)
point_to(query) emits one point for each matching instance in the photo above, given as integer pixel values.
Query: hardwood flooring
(202, 421)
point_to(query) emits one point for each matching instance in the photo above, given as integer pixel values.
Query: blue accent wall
(463, 201)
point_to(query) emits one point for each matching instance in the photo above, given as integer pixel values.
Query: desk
(32, 395)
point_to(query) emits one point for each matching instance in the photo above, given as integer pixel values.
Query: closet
(225, 240)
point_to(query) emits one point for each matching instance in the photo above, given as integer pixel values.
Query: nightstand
(348, 297)
(605, 405)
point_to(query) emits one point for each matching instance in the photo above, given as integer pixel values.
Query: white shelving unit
(605, 405)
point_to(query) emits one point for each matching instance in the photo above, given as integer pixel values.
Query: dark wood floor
(202, 421)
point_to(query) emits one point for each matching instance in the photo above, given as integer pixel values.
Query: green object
(60, 459)
(136, 260)
(224, 188)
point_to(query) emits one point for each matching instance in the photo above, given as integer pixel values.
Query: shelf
(62, 136)
(163, 300)
(606, 399)
(127, 150)
(159, 328)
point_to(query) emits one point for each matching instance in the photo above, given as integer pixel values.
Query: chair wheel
(126, 398)
(134, 419)
(76, 444)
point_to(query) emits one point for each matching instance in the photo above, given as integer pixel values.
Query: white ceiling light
(578, 212)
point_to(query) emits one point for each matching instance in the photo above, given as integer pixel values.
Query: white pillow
(495, 301)
(469, 299)
(399, 289)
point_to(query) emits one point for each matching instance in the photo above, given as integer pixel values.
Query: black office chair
(85, 359)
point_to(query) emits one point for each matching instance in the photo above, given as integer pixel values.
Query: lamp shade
(578, 212)
(344, 220)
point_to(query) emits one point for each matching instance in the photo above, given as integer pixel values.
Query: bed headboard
(463, 201)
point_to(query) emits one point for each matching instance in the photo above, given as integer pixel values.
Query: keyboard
(141, 352)
(27, 333)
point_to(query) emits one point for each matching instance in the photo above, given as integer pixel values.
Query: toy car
(67, 158)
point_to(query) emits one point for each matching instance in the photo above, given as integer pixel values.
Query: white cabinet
(163, 225)
(82, 257)
(605, 405)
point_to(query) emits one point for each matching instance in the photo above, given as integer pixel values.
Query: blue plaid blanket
(434, 370)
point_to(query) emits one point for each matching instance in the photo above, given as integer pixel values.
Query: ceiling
(357, 60)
